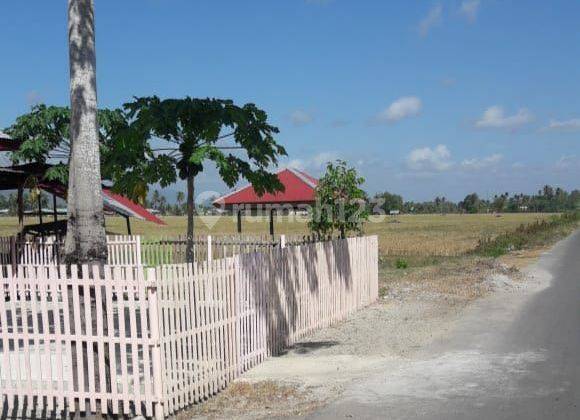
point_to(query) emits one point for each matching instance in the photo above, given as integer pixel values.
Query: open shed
(299, 192)
(17, 178)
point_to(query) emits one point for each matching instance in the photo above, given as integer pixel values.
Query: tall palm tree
(86, 240)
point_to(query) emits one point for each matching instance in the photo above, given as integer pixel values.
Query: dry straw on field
(406, 235)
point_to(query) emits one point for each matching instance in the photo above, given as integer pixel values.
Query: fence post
(138, 250)
(209, 251)
(282, 241)
(13, 253)
(155, 342)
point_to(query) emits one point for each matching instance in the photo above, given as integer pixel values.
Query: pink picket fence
(152, 341)
(122, 250)
(135, 250)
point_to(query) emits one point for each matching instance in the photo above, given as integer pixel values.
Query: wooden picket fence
(151, 341)
(134, 250)
(173, 250)
(123, 250)
(6, 250)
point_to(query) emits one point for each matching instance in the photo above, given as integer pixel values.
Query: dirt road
(512, 356)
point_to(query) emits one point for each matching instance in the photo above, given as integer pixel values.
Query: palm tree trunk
(86, 238)
(190, 214)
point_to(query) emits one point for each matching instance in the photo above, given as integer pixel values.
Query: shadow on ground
(308, 347)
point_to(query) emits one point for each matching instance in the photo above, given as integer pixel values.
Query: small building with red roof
(299, 192)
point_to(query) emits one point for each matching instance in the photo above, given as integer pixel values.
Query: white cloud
(407, 106)
(321, 159)
(316, 162)
(567, 125)
(429, 160)
(297, 164)
(567, 162)
(469, 9)
(494, 117)
(433, 18)
(482, 163)
(301, 117)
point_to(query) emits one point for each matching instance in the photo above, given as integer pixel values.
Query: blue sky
(425, 98)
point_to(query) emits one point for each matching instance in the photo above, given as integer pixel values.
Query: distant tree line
(157, 201)
(9, 202)
(547, 199)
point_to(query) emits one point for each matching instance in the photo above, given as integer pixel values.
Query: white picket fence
(122, 250)
(135, 250)
(151, 341)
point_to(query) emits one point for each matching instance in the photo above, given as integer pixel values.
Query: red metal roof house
(299, 191)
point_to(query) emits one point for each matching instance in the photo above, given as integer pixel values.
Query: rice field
(405, 235)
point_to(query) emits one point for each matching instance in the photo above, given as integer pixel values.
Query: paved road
(514, 356)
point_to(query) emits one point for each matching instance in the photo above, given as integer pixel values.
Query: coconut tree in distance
(173, 138)
(86, 238)
(180, 198)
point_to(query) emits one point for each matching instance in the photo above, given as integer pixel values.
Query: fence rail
(151, 341)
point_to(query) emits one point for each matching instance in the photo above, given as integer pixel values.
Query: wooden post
(128, 225)
(20, 200)
(138, 250)
(156, 343)
(239, 221)
(54, 211)
(272, 222)
(209, 253)
(14, 252)
(40, 207)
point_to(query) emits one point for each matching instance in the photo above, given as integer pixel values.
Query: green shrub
(401, 263)
(525, 235)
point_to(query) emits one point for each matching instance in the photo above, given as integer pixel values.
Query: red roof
(123, 205)
(111, 201)
(299, 189)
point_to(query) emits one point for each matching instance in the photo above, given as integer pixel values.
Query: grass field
(412, 235)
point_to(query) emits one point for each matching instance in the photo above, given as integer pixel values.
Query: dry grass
(265, 399)
(437, 235)
(407, 235)
(454, 280)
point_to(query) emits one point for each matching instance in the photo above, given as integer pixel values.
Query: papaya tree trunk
(190, 215)
(86, 238)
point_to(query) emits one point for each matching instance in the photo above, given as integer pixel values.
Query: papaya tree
(44, 135)
(173, 139)
(340, 202)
